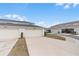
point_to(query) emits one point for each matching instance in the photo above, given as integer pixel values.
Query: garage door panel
(15, 33)
(8, 34)
(30, 33)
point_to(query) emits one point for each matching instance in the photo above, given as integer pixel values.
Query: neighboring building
(70, 27)
(11, 29)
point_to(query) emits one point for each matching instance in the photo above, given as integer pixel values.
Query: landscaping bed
(55, 36)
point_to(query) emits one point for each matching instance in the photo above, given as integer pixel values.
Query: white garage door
(8, 34)
(15, 33)
(31, 33)
(34, 33)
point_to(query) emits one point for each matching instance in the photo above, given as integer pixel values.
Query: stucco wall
(29, 33)
(15, 33)
(76, 30)
(8, 34)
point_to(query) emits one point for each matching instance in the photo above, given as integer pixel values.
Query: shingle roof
(17, 23)
(66, 25)
(14, 21)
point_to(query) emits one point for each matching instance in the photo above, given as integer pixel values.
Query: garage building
(11, 29)
(69, 28)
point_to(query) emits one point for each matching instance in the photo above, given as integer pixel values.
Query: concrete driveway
(43, 46)
(6, 45)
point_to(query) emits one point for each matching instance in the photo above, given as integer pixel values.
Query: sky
(42, 14)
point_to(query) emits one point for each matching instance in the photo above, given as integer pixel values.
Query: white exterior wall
(34, 33)
(15, 33)
(77, 30)
(8, 33)
(31, 33)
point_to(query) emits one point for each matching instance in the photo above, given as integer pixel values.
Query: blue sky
(44, 14)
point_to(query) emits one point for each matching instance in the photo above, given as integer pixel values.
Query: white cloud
(75, 4)
(14, 17)
(0, 16)
(59, 4)
(55, 23)
(67, 5)
(42, 23)
(7, 16)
